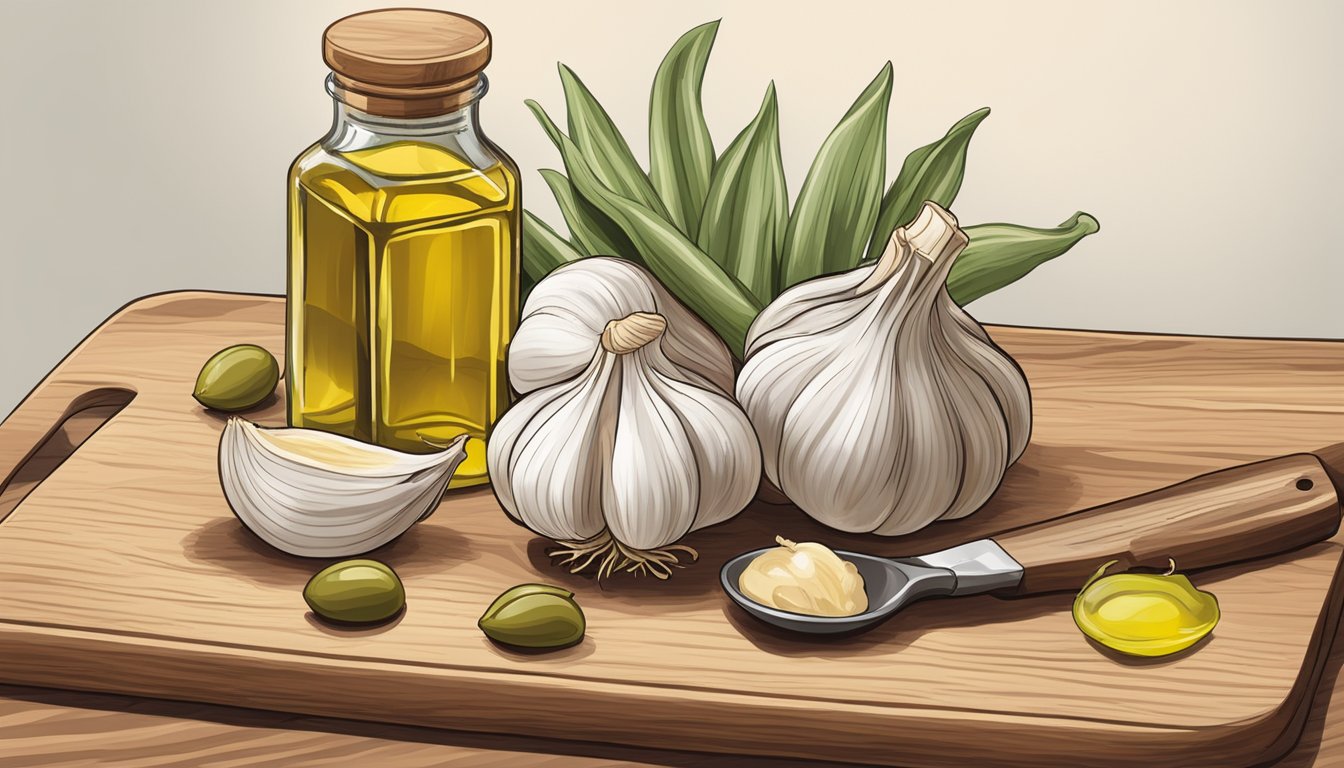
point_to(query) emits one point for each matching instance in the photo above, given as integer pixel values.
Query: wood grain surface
(125, 571)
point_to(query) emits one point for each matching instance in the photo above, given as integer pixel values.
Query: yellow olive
(534, 616)
(237, 378)
(355, 592)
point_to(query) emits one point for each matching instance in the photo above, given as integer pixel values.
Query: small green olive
(534, 616)
(237, 378)
(355, 592)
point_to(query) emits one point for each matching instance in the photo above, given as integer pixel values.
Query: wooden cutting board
(122, 569)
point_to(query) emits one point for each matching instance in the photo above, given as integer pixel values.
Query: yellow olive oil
(1144, 614)
(403, 263)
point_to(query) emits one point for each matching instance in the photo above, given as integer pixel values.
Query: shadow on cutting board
(225, 544)
(900, 631)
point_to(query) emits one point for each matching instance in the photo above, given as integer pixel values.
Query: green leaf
(543, 251)
(837, 206)
(543, 248)
(597, 234)
(547, 124)
(681, 153)
(596, 136)
(747, 207)
(1000, 254)
(712, 294)
(932, 172)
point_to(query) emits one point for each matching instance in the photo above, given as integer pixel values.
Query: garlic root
(615, 556)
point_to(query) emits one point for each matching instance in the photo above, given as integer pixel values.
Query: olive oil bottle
(403, 252)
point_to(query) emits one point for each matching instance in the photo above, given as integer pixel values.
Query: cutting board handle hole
(1305, 484)
(85, 415)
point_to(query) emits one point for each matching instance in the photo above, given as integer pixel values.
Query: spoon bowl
(889, 584)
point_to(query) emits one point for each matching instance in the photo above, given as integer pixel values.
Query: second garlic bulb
(880, 404)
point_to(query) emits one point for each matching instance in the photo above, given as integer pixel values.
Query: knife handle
(1250, 511)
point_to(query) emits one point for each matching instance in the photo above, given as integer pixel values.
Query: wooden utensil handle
(1246, 512)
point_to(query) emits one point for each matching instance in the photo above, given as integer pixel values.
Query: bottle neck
(457, 130)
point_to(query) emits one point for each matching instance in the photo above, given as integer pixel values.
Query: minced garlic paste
(804, 578)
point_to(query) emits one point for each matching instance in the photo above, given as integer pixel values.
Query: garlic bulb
(880, 404)
(805, 578)
(621, 456)
(316, 494)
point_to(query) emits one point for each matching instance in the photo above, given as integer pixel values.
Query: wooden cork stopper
(406, 62)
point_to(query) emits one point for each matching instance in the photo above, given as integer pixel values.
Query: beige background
(145, 143)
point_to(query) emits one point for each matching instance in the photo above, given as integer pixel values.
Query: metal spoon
(1242, 513)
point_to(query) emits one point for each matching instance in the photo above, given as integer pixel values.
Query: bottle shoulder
(405, 182)
(503, 158)
(401, 161)
(314, 155)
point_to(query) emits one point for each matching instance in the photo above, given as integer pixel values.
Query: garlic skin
(619, 458)
(808, 578)
(880, 404)
(315, 494)
(567, 312)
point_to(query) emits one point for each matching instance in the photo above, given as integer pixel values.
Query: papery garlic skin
(317, 494)
(880, 404)
(641, 445)
(808, 578)
(574, 304)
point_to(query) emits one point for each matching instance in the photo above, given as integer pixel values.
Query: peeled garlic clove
(316, 494)
(880, 404)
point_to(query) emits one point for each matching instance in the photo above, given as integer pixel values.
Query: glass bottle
(403, 243)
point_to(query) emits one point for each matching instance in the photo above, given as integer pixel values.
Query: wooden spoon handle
(1245, 512)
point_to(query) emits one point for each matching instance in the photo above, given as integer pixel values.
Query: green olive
(237, 378)
(534, 616)
(355, 592)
